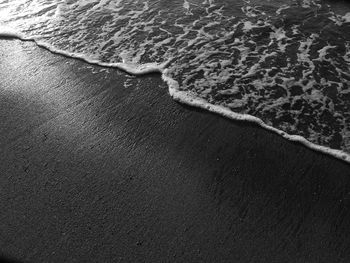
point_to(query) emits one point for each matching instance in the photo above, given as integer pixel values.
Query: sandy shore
(100, 166)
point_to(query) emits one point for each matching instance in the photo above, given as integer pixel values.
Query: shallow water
(284, 62)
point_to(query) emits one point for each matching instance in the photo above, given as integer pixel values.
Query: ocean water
(283, 64)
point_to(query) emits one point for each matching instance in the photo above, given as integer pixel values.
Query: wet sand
(100, 166)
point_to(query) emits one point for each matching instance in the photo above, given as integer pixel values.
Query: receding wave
(285, 67)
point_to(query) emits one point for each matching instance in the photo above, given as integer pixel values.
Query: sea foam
(265, 68)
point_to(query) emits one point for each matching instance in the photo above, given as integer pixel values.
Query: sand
(100, 166)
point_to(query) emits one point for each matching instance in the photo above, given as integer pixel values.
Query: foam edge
(191, 100)
(131, 68)
(178, 95)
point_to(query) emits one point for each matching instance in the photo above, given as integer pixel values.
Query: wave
(184, 97)
(284, 67)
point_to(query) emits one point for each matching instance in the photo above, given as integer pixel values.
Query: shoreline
(97, 164)
(184, 97)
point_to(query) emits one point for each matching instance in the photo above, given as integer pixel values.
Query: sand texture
(100, 166)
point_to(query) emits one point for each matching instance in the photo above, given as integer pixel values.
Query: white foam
(323, 52)
(192, 100)
(10, 33)
(131, 65)
(131, 68)
(346, 17)
(186, 6)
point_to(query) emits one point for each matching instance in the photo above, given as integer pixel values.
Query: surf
(193, 69)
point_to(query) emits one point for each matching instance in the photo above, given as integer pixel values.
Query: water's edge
(178, 95)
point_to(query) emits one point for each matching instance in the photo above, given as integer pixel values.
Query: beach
(100, 166)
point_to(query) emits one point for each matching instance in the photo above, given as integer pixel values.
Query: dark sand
(92, 171)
